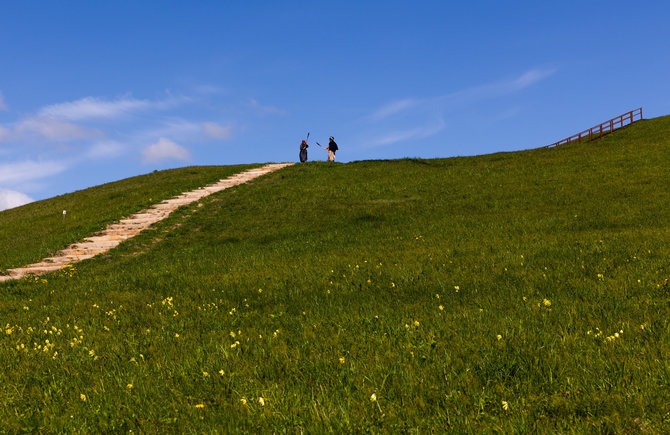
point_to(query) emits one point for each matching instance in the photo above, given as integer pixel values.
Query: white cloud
(254, 104)
(90, 107)
(11, 199)
(177, 128)
(12, 173)
(216, 131)
(464, 96)
(105, 149)
(53, 129)
(393, 108)
(531, 77)
(496, 89)
(183, 130)
(3, 105)
(96, 108)
(410, 134)
(164, 150)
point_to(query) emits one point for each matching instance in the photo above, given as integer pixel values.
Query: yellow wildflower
(373, 397)
(505, 405)
(546, 302)
(243, 401)
(261, 401)
(499, 337)
(129, 386)
(200, 405)
(82, 397)
(341, 360)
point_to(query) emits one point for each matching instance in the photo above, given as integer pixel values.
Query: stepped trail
(126, 228)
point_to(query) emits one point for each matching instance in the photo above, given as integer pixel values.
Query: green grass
(445, 287)
(38, 230)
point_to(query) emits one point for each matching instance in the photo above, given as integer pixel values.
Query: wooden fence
(600, 130)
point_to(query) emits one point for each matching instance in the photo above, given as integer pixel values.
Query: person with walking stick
(303, 151)
(332, 147)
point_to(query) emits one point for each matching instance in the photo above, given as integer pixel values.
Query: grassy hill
(38, 230)
(510, 292)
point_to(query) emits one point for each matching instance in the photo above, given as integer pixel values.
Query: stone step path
(132, 225)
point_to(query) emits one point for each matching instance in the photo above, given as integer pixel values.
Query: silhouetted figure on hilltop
(303, 151)
(332, 147)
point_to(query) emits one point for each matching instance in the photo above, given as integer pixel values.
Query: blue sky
(92, 92)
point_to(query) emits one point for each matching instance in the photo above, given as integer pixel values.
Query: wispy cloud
(393, 108)
(182, 129)
(412, 113)
(13, 173)
(531, 77)
(254, 104)
(56, 138)
(410, 134)
(51, 129)
(216, 131)
(164, 150)
(105, 149)
(96, 108)
(462, 97)
(497, 89)
(11, 198)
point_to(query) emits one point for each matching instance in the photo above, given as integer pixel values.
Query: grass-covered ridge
(37, 230)
(510, 292)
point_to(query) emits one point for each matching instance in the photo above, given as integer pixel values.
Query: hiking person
(303, 151)
(332, 147)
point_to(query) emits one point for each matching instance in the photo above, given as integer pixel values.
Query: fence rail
(595, 133)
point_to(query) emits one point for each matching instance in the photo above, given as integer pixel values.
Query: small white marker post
(64, 213)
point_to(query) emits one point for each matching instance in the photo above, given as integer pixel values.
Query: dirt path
(126, 228)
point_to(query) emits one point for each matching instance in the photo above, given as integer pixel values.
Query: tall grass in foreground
(510, 292)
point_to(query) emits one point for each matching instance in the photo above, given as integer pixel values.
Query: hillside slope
(515, 292)
(37, 230)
